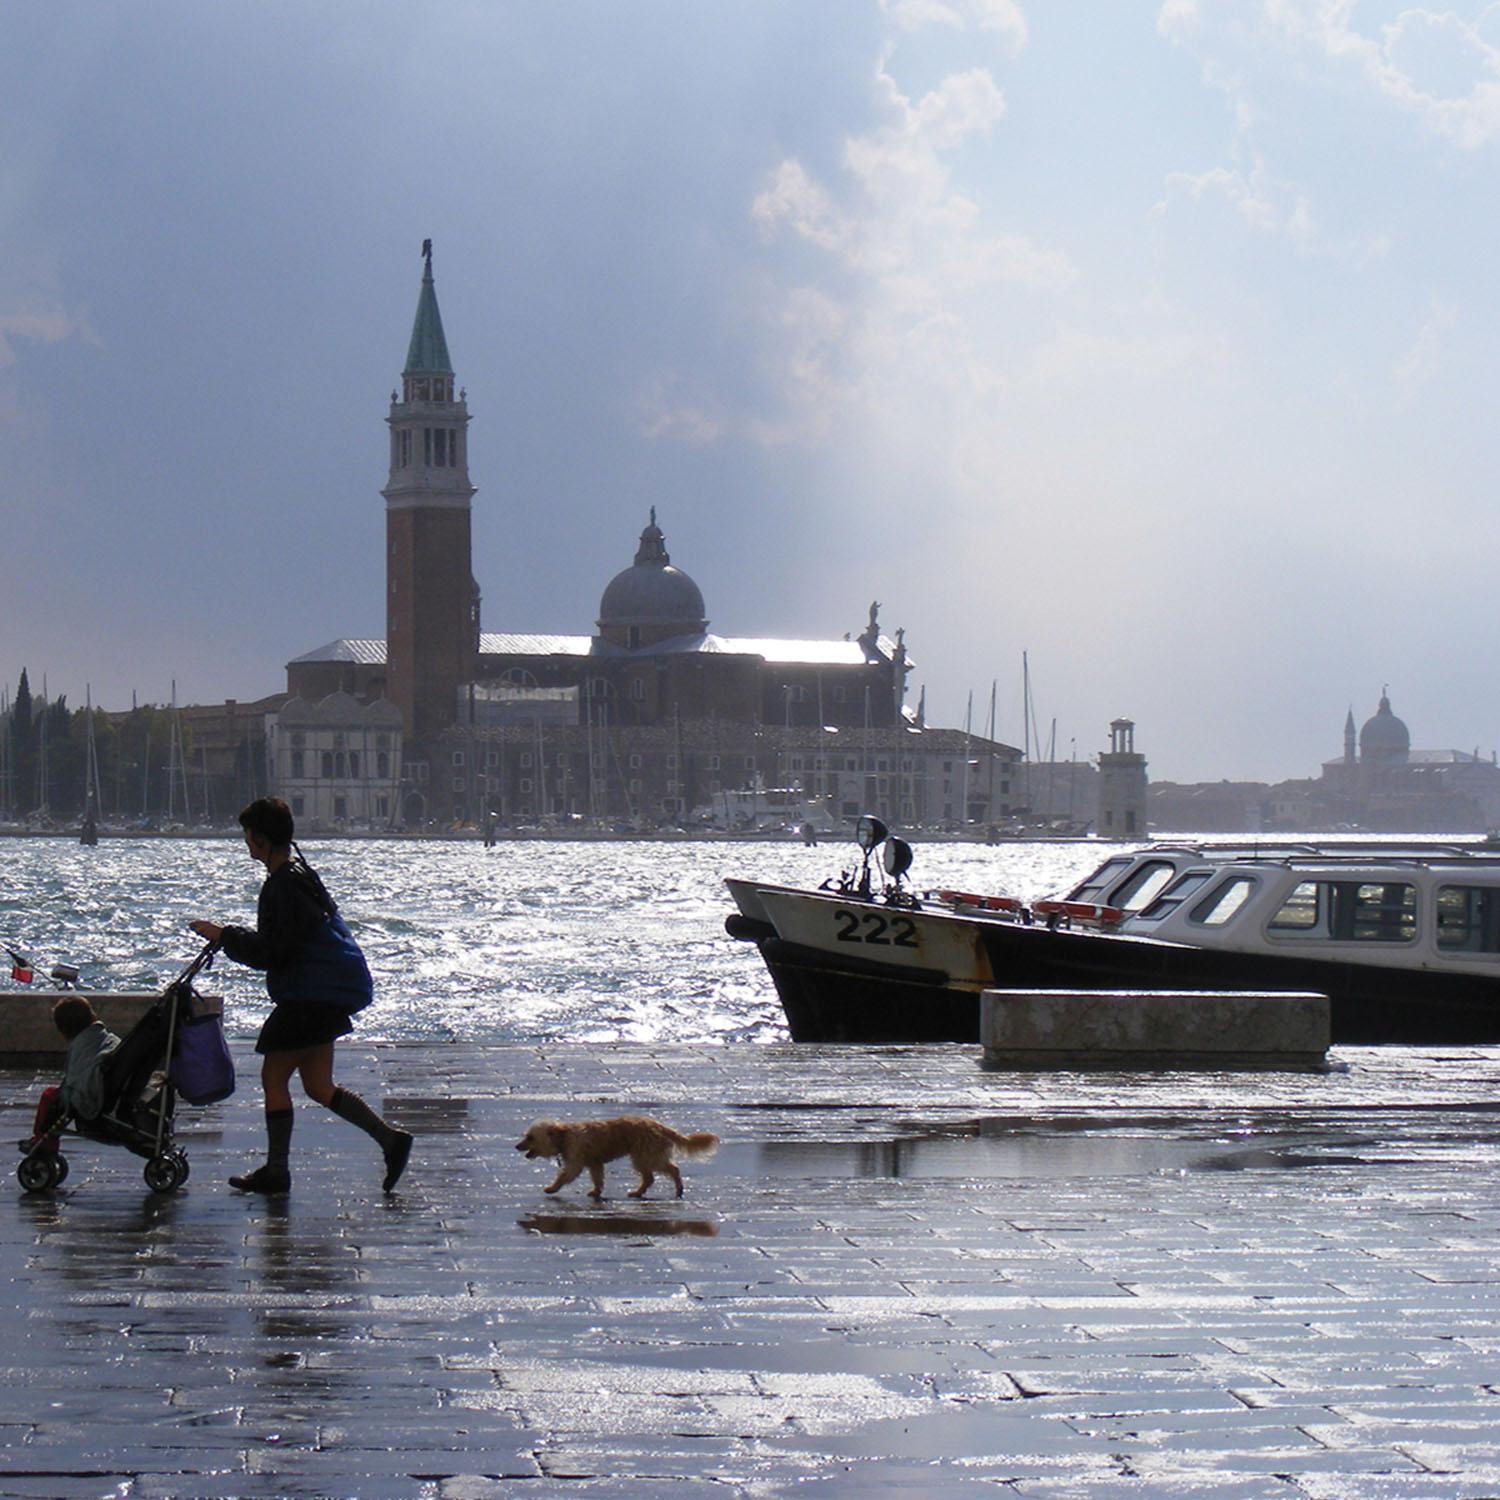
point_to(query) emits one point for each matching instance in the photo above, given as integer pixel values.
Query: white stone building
(337, 762)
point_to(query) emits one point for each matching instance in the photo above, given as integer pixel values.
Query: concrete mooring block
(27, 1034)
(1208, 1029)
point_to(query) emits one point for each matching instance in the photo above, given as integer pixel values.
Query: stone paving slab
(900, 1275)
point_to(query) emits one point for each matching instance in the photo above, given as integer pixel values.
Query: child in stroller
(81, 1091)
(120, 1094)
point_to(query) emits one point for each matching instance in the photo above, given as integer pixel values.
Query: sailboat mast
(1025, 732)
(968, 729)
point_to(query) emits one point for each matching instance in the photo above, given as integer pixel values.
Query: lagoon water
(528, 941)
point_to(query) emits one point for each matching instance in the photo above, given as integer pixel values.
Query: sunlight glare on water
(526, 941)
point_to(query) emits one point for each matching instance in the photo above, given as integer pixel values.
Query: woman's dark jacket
(301, 943)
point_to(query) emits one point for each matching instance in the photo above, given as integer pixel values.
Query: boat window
(1220, 905)
(1300, 911)
(1143, 885)
(1468, 918)
(1175, 894)
(1374, 912)
(1095, 884)
(1349, 911)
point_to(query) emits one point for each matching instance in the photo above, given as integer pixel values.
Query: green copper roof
(428, 351)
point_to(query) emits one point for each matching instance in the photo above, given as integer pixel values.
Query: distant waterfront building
(337, 762)
(731, 774)
(1389, 787)
(645, 719)
(1379, 784)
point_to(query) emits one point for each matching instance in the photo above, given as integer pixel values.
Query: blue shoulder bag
(329, 970)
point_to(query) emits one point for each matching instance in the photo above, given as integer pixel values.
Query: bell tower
(432, 602)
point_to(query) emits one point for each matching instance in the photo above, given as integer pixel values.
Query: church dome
(1384, 739)
(651, 600)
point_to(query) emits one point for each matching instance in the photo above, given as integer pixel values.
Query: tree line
(60, 763)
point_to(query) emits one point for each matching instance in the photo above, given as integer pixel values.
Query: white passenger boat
(1404, 939)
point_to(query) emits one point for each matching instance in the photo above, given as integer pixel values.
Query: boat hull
(845, 991)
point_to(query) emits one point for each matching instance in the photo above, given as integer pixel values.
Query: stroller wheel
(59, 1170)
(165, 1174)
(39, 1174)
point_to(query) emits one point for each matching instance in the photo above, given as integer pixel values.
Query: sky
(1153, 345)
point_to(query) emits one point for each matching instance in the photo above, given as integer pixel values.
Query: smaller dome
(652, 594)
(1384, 738)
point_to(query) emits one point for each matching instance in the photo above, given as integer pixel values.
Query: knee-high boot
(395, 1145)
(275, 1176)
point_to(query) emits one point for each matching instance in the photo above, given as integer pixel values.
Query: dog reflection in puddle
(632, 1224)
(585, 1145)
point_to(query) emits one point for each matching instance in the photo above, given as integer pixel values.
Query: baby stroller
(140, 1094)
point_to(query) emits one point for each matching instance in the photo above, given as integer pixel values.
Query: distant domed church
(479, 710)
(1381, 746)
(1380, 783)
(1383, 738)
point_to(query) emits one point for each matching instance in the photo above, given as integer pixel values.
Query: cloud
(32, 307)
(900, 249)
(1264, 200)
(1422, 362)
(1438, 67)
(1177, 19)
(38, 325)
(900, 194)
(662, 412)
(1247, 195)
(1271, 207)
(1003, 16)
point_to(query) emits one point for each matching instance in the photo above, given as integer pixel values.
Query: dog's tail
(701, 1143)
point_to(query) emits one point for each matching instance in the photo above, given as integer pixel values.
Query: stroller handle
(203, 960)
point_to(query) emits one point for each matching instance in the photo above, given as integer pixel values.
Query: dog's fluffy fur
(581, 1145)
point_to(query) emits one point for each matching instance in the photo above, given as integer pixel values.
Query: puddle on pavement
(1022, 1149)
(427, 1115)
(636, 1225)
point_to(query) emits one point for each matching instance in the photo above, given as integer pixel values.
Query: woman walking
(316, 977)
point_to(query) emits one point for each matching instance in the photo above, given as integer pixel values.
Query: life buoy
(983, 903)
(1081, 911)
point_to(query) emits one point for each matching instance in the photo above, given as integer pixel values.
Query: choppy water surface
(522, 942)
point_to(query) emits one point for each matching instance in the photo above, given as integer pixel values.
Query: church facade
(648, 718)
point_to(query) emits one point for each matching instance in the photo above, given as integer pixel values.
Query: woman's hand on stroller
(211, 931)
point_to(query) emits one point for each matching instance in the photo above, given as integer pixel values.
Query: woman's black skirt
(294, 1028)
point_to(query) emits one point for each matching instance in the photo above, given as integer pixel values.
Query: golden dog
(581, 1145)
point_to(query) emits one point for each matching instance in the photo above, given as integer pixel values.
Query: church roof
(798, 653)
(512, 643)
(777, 653)
(361, 652)
(428, 352)
(369, 653)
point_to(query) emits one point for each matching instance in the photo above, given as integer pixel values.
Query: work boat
(1404, 939)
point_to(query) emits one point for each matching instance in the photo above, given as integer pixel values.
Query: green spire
(428, 351)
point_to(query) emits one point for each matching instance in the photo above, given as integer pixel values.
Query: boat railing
(1403, 851)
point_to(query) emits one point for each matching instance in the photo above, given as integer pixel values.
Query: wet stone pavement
(901, 1274)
